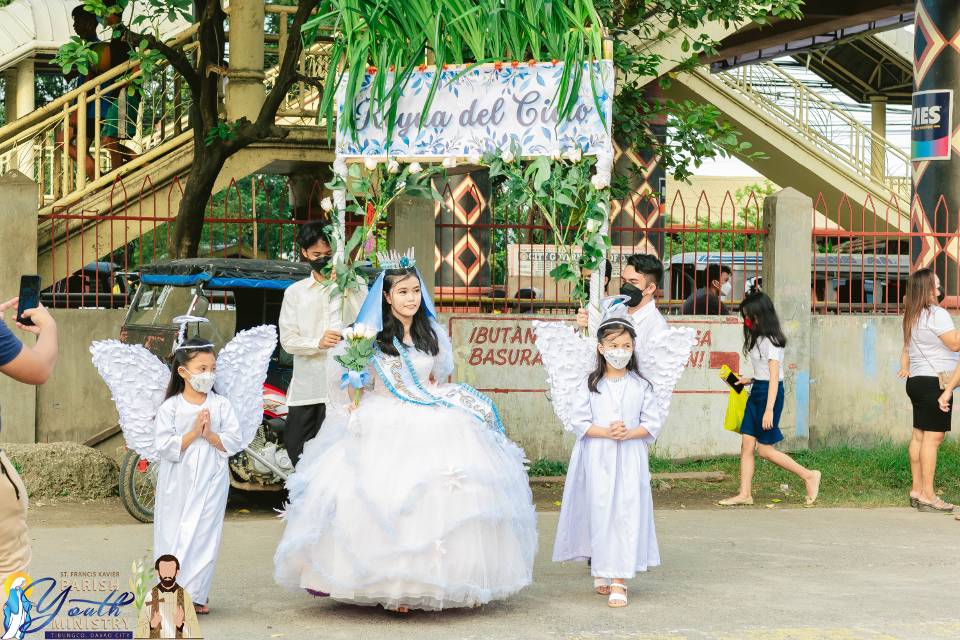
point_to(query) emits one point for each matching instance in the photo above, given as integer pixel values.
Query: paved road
(756, 574)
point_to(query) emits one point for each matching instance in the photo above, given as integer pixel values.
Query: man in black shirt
(706, 301)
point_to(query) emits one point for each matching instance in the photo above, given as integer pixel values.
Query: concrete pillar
(787, 257)
(936, 67)
(245, 92)
(26, 92)
(19, 92)
(25, 104)
(18, 246)
(878, 124)
(307, 190)
(412, 224)
(10, 94)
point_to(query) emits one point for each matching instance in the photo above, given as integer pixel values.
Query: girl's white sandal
(617, 599)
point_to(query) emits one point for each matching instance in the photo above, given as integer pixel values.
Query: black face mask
(320, 264)
(635, 294)
(941, 296)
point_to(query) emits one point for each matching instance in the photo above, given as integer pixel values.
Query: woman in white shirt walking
(764, 343)
(930, 343)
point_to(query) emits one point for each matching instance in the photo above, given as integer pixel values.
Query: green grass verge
(852, 476)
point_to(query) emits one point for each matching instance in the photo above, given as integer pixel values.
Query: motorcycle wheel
(138, 481)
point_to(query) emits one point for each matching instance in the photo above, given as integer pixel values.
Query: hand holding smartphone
(29, 298)
(731, 379)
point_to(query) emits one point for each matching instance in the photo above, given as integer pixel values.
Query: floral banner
(493, 107)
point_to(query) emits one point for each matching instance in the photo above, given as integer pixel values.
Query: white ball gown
(419, 500)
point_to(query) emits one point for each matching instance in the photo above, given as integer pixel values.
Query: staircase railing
(301, 105)
(819, 122)
(111, 124)
(121, 129)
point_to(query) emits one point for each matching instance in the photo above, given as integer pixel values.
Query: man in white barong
(168, 611)
(312, 316)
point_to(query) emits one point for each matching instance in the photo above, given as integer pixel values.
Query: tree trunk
(188, 230)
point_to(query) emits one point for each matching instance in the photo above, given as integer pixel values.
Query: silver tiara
(613, 310)
(183, 321)
(394, 260)
(620, 321)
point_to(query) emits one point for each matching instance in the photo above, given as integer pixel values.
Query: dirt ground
(70, 512)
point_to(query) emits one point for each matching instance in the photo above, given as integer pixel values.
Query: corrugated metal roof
(35, 27)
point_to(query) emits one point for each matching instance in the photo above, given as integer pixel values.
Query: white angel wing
(241, 371)
(662, 360)
(568, 358)
(137, 380)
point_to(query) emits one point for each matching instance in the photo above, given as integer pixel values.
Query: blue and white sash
(401, 380)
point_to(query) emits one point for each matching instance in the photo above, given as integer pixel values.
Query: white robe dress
(409, 505)
(607, 508)
(192, 488)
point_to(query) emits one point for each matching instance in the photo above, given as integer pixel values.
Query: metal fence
(489, 260)
(861, 255)
(495, 261)
(255, 217)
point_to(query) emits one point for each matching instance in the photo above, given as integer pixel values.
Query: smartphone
(731, 379)
(734, 382)
(29, 297)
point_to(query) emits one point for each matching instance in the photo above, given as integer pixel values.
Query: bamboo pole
(65, 186)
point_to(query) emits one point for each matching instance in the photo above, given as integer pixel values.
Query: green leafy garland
(569, 196)
(369, 190)
(403, 35)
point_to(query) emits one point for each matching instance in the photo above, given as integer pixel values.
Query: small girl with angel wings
(209, 410)
(615, 406)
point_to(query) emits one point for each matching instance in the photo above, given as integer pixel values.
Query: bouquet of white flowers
(360, 339)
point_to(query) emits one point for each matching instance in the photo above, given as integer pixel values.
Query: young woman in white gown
(418, 500)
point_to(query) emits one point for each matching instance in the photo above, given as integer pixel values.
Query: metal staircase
(82, 178)
(810, 143)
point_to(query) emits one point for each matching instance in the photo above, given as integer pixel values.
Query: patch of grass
(16, 465)
(852, 476)
(544, 467)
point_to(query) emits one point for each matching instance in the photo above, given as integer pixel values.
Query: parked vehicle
(838, 277)
(99, 285)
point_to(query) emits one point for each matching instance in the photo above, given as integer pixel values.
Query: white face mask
(617, 358)
(202, 382)
(726, 289)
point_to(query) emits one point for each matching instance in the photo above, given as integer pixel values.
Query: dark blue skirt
(753, 414)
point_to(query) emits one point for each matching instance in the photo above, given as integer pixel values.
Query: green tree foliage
(214, 140)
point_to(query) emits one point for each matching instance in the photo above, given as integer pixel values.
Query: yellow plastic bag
(736, 405)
